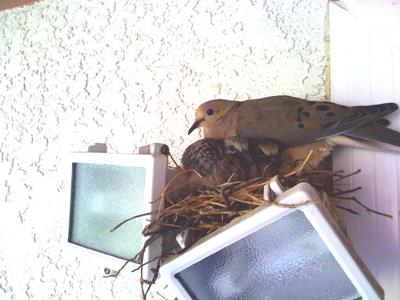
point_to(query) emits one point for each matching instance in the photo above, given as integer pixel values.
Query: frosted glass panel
(102, 197)
(284, 260)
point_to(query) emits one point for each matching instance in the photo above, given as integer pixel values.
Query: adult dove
(211, 164)
(292, 121)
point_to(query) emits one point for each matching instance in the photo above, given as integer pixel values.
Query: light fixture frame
(316, 213)
(155, 180)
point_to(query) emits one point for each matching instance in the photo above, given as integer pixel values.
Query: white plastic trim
(318, 216)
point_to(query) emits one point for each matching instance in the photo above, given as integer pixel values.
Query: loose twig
(368, 209)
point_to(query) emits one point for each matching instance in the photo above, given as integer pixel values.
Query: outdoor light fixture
(275, 253)
(105, 190)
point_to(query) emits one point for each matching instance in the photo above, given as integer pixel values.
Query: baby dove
(211, 165)
(278, 159)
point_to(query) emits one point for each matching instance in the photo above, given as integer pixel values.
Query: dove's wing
(360, 115)
(295, 121)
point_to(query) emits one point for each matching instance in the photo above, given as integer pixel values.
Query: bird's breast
(224, 128)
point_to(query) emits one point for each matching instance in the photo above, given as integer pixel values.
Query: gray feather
(376, 133)
(361, 116)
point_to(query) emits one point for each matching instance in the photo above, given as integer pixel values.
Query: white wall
(365, 69)
(126, 73)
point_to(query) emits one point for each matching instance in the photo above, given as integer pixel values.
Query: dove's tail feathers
(376, 109)
(341, 140)
(376, 133)
(383, 122)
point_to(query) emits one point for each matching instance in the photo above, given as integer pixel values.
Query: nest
(194, 214)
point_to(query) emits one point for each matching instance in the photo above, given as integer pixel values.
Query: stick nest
(197, 213)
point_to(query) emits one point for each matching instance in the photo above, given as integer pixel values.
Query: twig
(298, 170)
(120, 269)
(166, 189)
(129, 219)
(364, 206)
(346, 192)
(158, 293)
(173, 160)
(146, 263)
(348, 209)
(347, 176)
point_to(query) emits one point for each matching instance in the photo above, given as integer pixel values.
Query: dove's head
(209, 113)
(238, 146)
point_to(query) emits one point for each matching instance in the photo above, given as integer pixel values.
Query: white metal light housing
(274, 253)
(107, 189)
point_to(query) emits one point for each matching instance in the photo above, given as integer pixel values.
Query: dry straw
(196, 213)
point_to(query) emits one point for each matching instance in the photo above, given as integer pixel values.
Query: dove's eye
(210, 112)
(232, 148)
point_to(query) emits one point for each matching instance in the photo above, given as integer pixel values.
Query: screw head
(107, 271)
(164, 150)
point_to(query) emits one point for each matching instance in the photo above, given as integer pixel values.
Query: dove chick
(292, 157)
(261, 156)
(252, 149)
(292, 121)
(211, 165)
(282, 159)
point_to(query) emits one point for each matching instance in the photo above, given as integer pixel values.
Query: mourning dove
(293, 121)
(283, 159)
(251, 149)
(211, 164)
(261, 157)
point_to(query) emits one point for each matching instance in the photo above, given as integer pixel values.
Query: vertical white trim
(365, 56)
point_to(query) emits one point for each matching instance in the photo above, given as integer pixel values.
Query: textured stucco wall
(126, 73)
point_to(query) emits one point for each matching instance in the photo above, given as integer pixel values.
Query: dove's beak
(195, 125)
